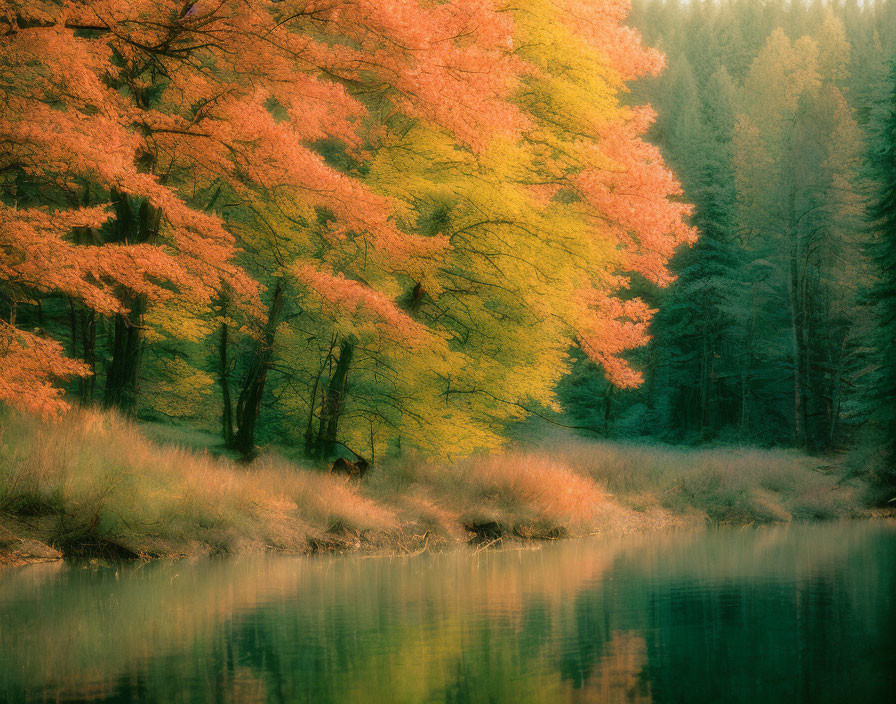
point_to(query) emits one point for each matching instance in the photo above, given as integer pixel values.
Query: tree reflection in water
(802, 613)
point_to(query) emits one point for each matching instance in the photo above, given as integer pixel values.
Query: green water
(772, 614)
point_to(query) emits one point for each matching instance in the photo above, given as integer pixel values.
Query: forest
(778, 120)
(511, 259)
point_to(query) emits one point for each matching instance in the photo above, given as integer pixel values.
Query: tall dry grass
(96, 483)
(514, 492)
(732, 485)
(100, 483)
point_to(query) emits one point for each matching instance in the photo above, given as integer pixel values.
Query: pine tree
(883, 293)
(796, 159)
(693, 324)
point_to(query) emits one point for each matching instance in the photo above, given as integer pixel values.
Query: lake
(786, 613)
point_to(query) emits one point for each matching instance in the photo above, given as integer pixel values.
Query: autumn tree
(436, 199)
(542, 235)
(447, 66)
(83, 216)
(222, 102)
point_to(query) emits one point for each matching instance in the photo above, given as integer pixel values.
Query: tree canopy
(375, 223)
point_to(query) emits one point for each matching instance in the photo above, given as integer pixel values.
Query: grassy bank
(95, 484)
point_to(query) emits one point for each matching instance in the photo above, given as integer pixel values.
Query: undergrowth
(99, 485)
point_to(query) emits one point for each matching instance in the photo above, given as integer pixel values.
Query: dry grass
(97, 484)
(531, 497)
(107, 487)
(729, 485)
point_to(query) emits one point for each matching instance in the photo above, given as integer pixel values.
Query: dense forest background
(774, 115)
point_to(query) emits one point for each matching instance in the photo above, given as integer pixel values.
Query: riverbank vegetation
(93, 484)
(387, 233)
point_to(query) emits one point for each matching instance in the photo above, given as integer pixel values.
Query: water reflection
(778, 614)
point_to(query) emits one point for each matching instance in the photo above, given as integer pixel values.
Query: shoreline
(24, 542)
(94, 486)
(19, 546)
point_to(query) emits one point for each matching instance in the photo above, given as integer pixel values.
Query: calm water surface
(759, 615)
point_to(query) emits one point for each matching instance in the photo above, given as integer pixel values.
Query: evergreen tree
(761, 336)
(693, 324)
(883, 293)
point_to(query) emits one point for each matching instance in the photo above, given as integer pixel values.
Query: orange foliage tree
(149, 143)
(545, 229)
(148, 103)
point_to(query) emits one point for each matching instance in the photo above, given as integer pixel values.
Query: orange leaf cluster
(354, 298)
(168, 104)
(29, 367)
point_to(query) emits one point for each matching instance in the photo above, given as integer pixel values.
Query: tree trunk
(799, 400)
(248, 405)
(608, 411)
(309, 428)
(836, 395)
(87, 384)
(745, 370)
(83, 323)
(224, 381)
(127, 350)
(73, 325)
(334, 401)
(128, 340)
(795, 299)
(310, 438)
(83, 330)
(704, 375)
(800, 362)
